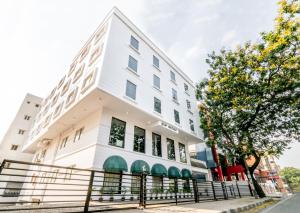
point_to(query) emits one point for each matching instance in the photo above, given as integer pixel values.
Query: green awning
(186, 174)
(159, 170)
(174, 172)
(115, 164)
(139, 167)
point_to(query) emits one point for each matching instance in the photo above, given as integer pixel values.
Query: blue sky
(38, 39)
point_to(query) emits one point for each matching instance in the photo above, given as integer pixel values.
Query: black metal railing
(28, 186)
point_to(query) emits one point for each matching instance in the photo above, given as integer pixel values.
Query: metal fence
(36, 187)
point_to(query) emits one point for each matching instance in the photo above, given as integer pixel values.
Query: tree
(292, 175)
(251, 100)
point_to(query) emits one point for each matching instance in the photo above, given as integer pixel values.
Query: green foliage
(292, 175)
(251, 101)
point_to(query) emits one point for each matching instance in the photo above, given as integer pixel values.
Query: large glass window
(155, 61)
(174, 95)
(134, 43)
(139, 140)
(112, 183)
(132, 63)
(186, 87)
(192, 125)
(157, 183)
(170, 149)
(157, 105)
(117, 132)
(176, 116)
(156, 145)
(156, 81)
(182, 153)
(172, 76)
(188, 104)
(131, 90)
(135, 185)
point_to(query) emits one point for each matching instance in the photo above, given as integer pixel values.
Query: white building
(12, 144)
(123, 99)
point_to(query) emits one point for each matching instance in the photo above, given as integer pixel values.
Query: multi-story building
(13, 141)
(122, 100)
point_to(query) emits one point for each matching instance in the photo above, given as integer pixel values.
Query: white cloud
(228, 36)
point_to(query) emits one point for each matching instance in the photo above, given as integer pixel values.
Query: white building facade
(12, 144)
(122, 99)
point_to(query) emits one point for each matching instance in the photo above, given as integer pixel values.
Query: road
(291, 205)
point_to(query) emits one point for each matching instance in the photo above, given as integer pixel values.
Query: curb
(246, 207)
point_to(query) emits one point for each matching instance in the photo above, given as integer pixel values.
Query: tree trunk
(256, 185)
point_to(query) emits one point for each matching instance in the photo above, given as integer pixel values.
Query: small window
(37, 105)
(28, 102)
(89, 81)
(64, 142)
(131, 90)
(21, 132)
(157, 105)
(139, 139)
(188, 104)
(78, 73)
(134, 43)
(14, 147)
(96, 54)
(84, 53)
(71, 97)
(78, 134)
(158, 183)
(174, 95)
(65, 87)
(182, 153)
(112, 183)
(156, 81)
(155, 61)
(27, 117)
(172, 76)
(186, 87)
(176, 116)
(117, 132)
(156, 145)
(132, 63)
(61, 82)
(192, 125)
(170, 149)
(135, 184)
(54, 100)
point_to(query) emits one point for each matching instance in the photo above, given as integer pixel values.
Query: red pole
(216, 159)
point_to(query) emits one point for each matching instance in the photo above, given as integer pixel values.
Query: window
(188, 104)
(157, 183)
(28, 102)
(61, 82)
(156, 81)
(139, 139)
(157, 105)
(156, 145)
(176, 116)
(27, 117)
(78, 73)
(89, 81)
(134, 43)
(192, 125)
(170, 149)
(135, 184)
(64, 142)
(65, 87)
(131, 90)
(84, 53)
(172, 75)
(132, 63)
(172, 187)
(155, 61)
(100, 34)
(54, 100)
(117, 132)
(78, 134)
(182, 153)
(174, 95)
(21, 132)
(14, 147)
(96, 54)
(186, 87)
(112, 183)
(71, 97)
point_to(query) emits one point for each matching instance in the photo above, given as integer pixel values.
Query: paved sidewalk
(204, 207)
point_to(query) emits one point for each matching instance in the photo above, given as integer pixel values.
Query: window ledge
(190, 111)
(175, 101)
(187, 93)
(174, 82)
(156, 67)
(157, 113)
(130, 99)
(133, 71)
(178, 125)
(133, 48)
(156, 88)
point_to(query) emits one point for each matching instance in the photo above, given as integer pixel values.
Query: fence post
(250, 189)
(2, 165)
(213, 190)
(195, 188)
(142, 192)
(89, 192)
(237, 186)
(223, 184)
(233, 191)
(176, 189)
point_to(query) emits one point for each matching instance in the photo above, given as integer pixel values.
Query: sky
(38, 39)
